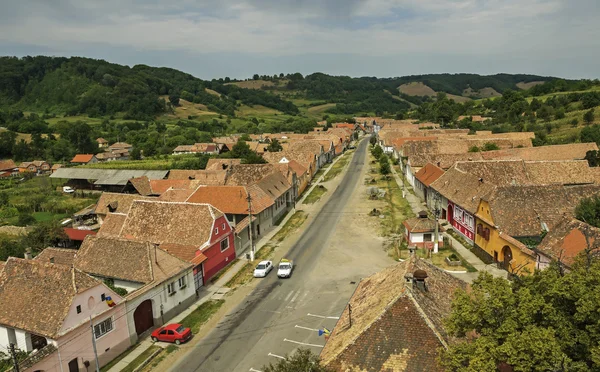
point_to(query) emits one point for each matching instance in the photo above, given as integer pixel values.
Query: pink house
(45, 310)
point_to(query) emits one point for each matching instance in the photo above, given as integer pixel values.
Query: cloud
(530, 30)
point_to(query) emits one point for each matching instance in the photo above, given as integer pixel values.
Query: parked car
(172, 333)
(263, 268)
(285, 268)
(68, 189)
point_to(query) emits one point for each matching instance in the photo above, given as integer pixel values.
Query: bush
(25, 219)
(377, 151)
(453, 257)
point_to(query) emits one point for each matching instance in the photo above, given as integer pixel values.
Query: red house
(197, 233)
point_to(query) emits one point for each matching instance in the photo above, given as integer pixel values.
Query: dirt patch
(481, 93)
(213, 92)
(416, 89)
(458, 99)
(531, 84)
(187, 108)
(321, 108)
(258, 84)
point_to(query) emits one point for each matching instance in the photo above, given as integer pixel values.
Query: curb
(148, 360)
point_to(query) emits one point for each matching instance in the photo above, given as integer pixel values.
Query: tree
(474, 149)
(45, 234)
(489, 146)
(3, 199)
(377, 151)
(543, 322)
(588, 209)
(588, 117)
(274, 146)
(373, 140)
(559, 113)
(590, 134)
(593, 158)
(174, 99)
(25, 219)
(303, 360)
(384, 165)
(255, 77)
(240, 150)
(135, 154)
(545, 112)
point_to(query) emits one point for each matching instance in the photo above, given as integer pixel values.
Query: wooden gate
(143, 317)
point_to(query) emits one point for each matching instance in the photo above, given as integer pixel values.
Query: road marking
(288, 296)
(277, 356)
(254, 370)
(295, 296)
(308, 329)
(302, 343)
(272, 311)
(323, 316)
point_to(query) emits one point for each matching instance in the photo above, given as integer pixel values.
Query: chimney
(28, 255)
(51, 259)
(439, 164)
(480, 180)
(419, 277)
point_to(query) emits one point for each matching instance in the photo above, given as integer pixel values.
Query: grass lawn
(439, 259)
(315, 194)
(118, 359)
(338, 167)
(160, 357)
(140, 359)
(290, 226)
(246, 273)
(201, 315)
(47, 216)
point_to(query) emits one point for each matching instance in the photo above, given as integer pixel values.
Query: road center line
(323, 316)
(302, 343)
(308, 329)
(277, 356)
(295, 296)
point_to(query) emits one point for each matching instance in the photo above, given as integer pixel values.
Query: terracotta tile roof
(221, 164)
(417, 224)
(133, 261)
(298, 168)
(526, 210)
(185, 252)
(444, 161)
(260, 199)
(428, 174)
(240, 226)
(112, 224)
(7, 165)
(176, 195)
(59, 256)
(395, 325)
(164, 222)
(569, 238)
(120, 145)
(142, 185)
(397, 142)
(228, 199)
(248, 174)
(36, 296)
(56, 166)
(82, 158)
(160, 186)
(110, 202)
(101, 140)
(274, 185)
(198, 259)
(463, 188)
(573, 151)
(78, 235)
(205, 177)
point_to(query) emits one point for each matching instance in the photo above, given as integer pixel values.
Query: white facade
(420, 237)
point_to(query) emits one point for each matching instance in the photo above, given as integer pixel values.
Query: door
(450, 213)
(73, 366)
(425, 193)
(170, 336)
(143, 317)
(198, 282)
(162, 336)
(507, 253)
(495, 256)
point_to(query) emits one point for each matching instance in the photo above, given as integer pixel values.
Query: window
(224, 244)
(217, 230)
(78, 309)
(102, 297)
(182, 282)
(103, 328)
(223, 227)
(171, 289)
(427, 237)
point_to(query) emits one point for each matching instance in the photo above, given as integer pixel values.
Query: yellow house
(500, 247)
(510, 212)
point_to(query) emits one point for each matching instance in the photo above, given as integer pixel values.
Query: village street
(334, 252)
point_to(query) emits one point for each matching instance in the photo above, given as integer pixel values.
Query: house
(102, 143)
(196, 233)
(396, 320)
(147, 187)
(572, 151)
(120, 146)
(108, 156)
(46, 307)
(199, 148)
(36, 166)
(159, 285)
(425, 177)
(568, 239)
(512, 219)
(8, 168)
(55, 167)
(115, 180)
(84, 159)
(420, 232)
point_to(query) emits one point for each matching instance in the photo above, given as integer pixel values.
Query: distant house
(199, 148)
(120, 146)
(425, 177)
(46, 306)
(394, 321)
(36, 166)
(108, 156)
(102, 143)
(84, 159)
(8, 168)
(55, 167)
(420, 232)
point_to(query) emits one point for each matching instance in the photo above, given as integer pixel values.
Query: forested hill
(83, 86)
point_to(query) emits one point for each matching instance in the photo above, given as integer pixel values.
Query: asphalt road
(281, 315)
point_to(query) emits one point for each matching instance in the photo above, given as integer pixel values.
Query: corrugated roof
(107, 176)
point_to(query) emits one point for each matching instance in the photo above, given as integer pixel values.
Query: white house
(420, 232)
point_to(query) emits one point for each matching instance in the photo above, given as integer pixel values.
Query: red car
(172, 333)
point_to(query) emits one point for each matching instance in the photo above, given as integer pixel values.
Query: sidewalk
(217, 290)
(417, 205)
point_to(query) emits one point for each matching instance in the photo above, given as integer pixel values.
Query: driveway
(335, 251)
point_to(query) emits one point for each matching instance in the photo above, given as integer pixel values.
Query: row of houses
(157, 238)
(508, 203)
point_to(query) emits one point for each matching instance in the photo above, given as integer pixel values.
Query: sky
(383, 38)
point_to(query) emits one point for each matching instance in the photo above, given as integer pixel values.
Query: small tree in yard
(274, 146)
(384, 165)
(588, 117)
(489, 146)
(588, 211)
(373, 140)
(377, 151)
(303, 360)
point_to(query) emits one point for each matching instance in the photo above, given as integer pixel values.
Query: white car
(285, 268)
(263, 268)
(68, 189)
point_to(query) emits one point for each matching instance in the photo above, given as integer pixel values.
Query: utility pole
(249, 198)
(14, 357)
(436, 211)
(350, 315)
(94, 345)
